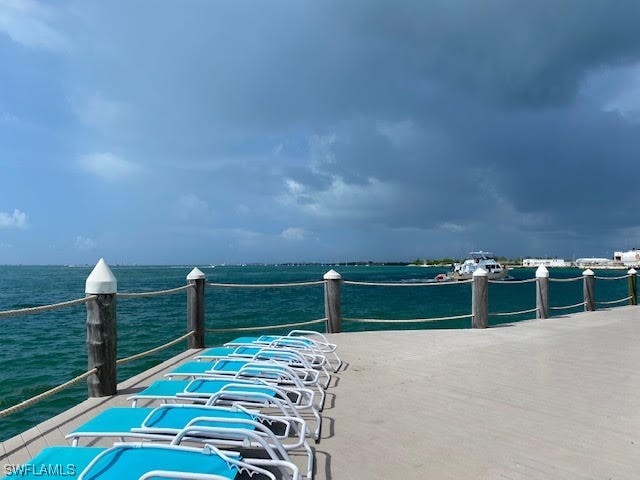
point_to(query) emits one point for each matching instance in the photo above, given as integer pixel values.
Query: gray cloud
(495, 124)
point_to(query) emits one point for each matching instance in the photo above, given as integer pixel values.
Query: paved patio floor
(541, 399)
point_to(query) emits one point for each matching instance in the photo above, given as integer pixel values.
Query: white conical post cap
(588, 271)
(480, 272)
(196, 274)
(632, 271)
(101, 280)
(332, 275)
(542, 272)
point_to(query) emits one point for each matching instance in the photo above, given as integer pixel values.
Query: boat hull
(457, 277)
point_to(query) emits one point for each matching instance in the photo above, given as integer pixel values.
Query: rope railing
(45, 308)
(510, 282)
(626, 299)
(153, 294)
(598, 277)
(404, 284)
(572, 279)
(412, 320)
(47, 394)
(506, 314)
(137, 356)
(267, 327)
(263, 285)
(581, 304)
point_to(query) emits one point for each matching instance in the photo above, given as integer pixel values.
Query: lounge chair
(271, 373)
(290, 356)
(301, 339)
(281, 433)
(287, 372)
(251, 394)
(133, 461)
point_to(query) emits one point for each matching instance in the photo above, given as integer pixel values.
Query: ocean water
(43, 350)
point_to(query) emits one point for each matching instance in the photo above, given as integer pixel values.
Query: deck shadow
(324, 458)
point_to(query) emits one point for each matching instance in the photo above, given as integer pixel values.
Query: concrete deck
(543, 399)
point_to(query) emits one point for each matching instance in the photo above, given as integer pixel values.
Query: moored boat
(486, 260)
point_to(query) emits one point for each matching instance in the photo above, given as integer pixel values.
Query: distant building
(545, 262)
(630, 258)
(596, 262)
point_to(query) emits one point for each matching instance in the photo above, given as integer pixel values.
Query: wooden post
(101, 330)
(542, 292)
(633, 292)
(588, 289)
(480, 299)
(332, 281)
(195, 308)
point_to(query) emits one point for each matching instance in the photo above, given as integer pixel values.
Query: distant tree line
(450, 261)
(434, 261)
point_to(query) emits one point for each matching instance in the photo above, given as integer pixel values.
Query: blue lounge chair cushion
(178, 416)
(242, 340)
(234, 366)
(199, 387)
(131, 463)
(122, 463)
(56, 462)
(205, 386)
(118, 419)
(165, 388)
(168, 419)
(220, 366)
(217, 352)
(247, 351)
(193, 368)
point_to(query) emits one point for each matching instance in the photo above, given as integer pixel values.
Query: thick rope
(154, 294)
(413, 320)
(504, 314)
(581, 304)
(48, 393)
(615, 301)
(263, 285)
(574, 279)
(122, 361)
(249, 329)
(611, 278)
(509, 282)
(46, 308)
(405, 284)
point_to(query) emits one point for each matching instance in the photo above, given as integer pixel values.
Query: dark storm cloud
(466, 123)
(285, 64)
(523, 53)
(492, 90)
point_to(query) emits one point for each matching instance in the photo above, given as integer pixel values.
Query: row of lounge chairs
(237, 411)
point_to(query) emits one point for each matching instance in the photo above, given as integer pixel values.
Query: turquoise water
(43, 350)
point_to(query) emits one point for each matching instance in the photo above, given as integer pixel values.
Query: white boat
(486, 260)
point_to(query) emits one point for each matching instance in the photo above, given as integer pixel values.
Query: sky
(208, 132)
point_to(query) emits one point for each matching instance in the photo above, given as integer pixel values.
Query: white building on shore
(630, 258)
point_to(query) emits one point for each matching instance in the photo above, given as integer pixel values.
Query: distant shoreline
(304, 264)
